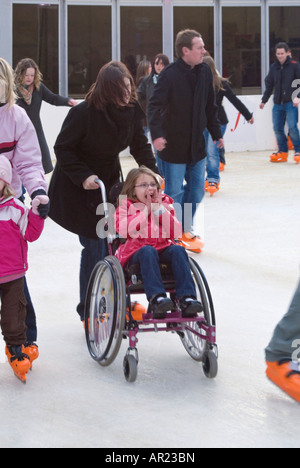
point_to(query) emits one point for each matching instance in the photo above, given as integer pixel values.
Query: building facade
(71, 39)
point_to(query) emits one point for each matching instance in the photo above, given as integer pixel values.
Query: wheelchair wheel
(130, 368)
(105, 311)
(195, 345)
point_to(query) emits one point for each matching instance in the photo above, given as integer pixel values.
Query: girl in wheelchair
(145, 217)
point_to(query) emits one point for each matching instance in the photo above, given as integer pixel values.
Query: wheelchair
(110, 317)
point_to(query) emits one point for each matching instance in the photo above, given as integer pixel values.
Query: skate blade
(21, 377)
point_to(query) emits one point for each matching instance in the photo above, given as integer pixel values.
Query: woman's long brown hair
(110, 87)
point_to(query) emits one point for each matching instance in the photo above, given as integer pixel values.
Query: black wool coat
(89, 143)
(33, 112)
(181, 107)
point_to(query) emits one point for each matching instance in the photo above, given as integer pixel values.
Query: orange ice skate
(297, 158)
(212, 187)
(137, 311)
(19, 361)
(285, 374)
(279, 157)
(32, 351)
(191, 242)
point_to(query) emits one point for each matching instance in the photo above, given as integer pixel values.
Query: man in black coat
(283, 74)
(181, 107)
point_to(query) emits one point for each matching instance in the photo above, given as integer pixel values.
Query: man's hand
(160, 144)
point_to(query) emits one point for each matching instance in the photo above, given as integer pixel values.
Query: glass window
(199, 18)
(35, 35)
(284, 27)
(242, 48)
(89, 45)
(141, 35)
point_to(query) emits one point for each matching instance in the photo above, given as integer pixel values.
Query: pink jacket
(19, 143)
(139, 229)
(18, 225)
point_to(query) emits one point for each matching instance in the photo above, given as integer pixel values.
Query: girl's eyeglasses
(145, 186)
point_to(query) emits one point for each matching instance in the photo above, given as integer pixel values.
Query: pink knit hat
(5, 170)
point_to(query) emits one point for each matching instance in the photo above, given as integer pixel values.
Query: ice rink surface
(251, 261)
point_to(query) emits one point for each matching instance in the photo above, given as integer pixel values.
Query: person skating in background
(31, 93)
(181, 107)
(222, 89)
(18, 225)
(282, 75)
(146, 87)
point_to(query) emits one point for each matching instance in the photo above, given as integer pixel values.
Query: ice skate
(279, 157)
(286, 375)
(191, 242)
(19, 361)
(212, 187)
(32, 351)
(137, 311)
(222, 167)
(297, 158)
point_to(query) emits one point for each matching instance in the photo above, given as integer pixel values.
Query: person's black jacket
(33, 112)
(280, 79)
(89, 144)
(235, 101)
(181, 107)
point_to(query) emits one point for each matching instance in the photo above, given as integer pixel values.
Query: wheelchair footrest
(171, 317)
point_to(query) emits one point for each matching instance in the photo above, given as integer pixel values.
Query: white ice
(251, 260)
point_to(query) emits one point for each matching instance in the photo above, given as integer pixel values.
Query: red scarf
(26, 93)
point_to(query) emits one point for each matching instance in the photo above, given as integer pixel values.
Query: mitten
(41, 205)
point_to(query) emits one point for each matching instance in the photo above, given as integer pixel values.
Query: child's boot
(279, 157)
(160, 305)
(32, 351)
(286, 375)
(190, 307)
(18, 360)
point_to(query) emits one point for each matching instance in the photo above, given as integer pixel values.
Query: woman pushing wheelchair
(87, 148)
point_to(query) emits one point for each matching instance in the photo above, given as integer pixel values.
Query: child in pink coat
(18, 225)
(147, 219)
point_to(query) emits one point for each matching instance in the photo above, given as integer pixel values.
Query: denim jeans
(30, 316)
(93, 251)
(286, 113)
(213, 156)
(149, 258)
(285, 343)
(187, 196)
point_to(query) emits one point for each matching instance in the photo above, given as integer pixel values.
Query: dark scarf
(122, 117)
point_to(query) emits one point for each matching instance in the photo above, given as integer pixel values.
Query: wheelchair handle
(104, 197)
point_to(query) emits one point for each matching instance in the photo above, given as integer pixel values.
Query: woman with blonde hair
(31, 93)
(19, 144)
(222, 89)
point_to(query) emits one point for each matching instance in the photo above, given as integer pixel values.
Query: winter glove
(40, 206)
